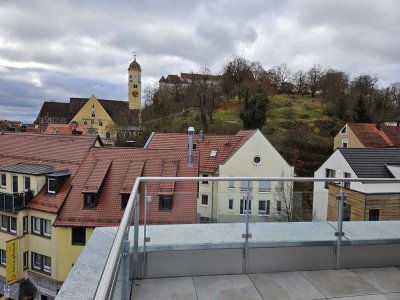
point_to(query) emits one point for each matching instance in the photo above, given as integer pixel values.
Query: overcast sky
(54, 50)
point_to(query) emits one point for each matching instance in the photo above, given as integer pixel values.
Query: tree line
(359, 99)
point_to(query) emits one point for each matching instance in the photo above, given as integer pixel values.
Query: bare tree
(283, 197)
(279, 76)
(314, 77)
(300, 82)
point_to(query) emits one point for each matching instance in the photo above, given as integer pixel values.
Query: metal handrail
(105, 284)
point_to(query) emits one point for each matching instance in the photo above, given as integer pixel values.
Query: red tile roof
(371, 137)
(97, 176)
(127, 163)
(226, 146)
(65, 129)
(61, 152)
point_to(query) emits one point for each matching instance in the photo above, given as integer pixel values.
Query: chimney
(378, 125)
(201, 136)
(190, 154)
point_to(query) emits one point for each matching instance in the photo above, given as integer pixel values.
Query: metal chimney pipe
(201, 136)
(190, 154)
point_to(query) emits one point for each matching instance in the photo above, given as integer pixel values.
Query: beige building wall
(347, 136)
(37, 182)
(272, 164)
(206, 189)
(96, 116)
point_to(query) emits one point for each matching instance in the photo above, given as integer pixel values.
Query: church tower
(134, 85)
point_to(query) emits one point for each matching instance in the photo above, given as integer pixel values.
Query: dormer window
(51, 185)
(90, 200)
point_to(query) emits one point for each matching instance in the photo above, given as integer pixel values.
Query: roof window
(213, 152)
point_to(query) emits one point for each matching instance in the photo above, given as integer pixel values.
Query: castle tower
(134, 85)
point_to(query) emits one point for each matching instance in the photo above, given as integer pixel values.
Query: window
(124, 200)
(93, 106)
(268, 208)
(85, 123)
(3, 258)
(26, 255)
(41, 227)
(204, 200)
(264, 186)
(257, 160)
(135, 86)
(261, 208)
(25, 224)
(108, 135)
(79, 236)
(345, 143)
(231, 184)
(27, 183)
(93, 114)
(230, 204)
(100, 123)
(373, 215)
(343, 129)
(213, 153)
(243, 206)
(205, 182)
(278, 206)
(8, 224)
(329, 173)
(13, 225)
(245, 185)
(346, 212)
(165, 202)
(4, 223)
(90, 200)
(51, 185)
(3, 180)
(41, 263)
(15, 184)
(347, 184)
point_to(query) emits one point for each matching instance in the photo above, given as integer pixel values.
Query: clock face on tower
(135, 94)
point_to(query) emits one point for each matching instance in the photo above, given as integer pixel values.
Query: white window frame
(48, 186)
(7, 222)
(46, 268)
(44, 224)
(262, 212)
(25, 260)
(35, 219)
(30, 186)
(3, 257)
(39, 257)
(13, 230)
(213, 152)
(231, 186)
(264, 190)
(3, 184)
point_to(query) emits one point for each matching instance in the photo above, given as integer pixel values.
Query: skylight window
(213, 153)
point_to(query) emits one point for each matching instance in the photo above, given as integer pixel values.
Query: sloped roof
(225, 145)
(65, 129)
(26, 168)
(370, 136)
(393, 134)
(128, 162)
(55, 110)
(371, 162)
(56, 152)
(117, 109)
(97, 176)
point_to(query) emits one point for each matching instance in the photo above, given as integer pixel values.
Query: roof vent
(201, 136)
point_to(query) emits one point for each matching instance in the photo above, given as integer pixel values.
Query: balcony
(16, 201)
(245, 259)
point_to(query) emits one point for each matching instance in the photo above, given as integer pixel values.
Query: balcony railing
(16, 201)
(133, 253)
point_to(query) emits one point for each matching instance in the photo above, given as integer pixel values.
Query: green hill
(296, 125)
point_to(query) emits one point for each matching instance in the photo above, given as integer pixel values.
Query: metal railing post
(125, 294)
(247, 234)
(339, 234)
(136, 237)
(145, 229)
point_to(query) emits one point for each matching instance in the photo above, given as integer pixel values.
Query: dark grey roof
(60, 173)
(24, 168)
(370, 162)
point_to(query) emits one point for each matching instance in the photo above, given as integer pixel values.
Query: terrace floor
(354, 284)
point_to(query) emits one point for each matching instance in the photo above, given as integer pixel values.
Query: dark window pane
(78, 235)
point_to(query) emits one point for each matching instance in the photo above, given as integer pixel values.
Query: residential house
(55, 189)
(111, 119)
(367, 135)
(364, 201)
(247, 153)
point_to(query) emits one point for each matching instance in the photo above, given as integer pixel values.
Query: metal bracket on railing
(337, 233)
(147, 240)
(247, 236)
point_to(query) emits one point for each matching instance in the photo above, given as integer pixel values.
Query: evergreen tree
(360, 111)
(254, 114)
